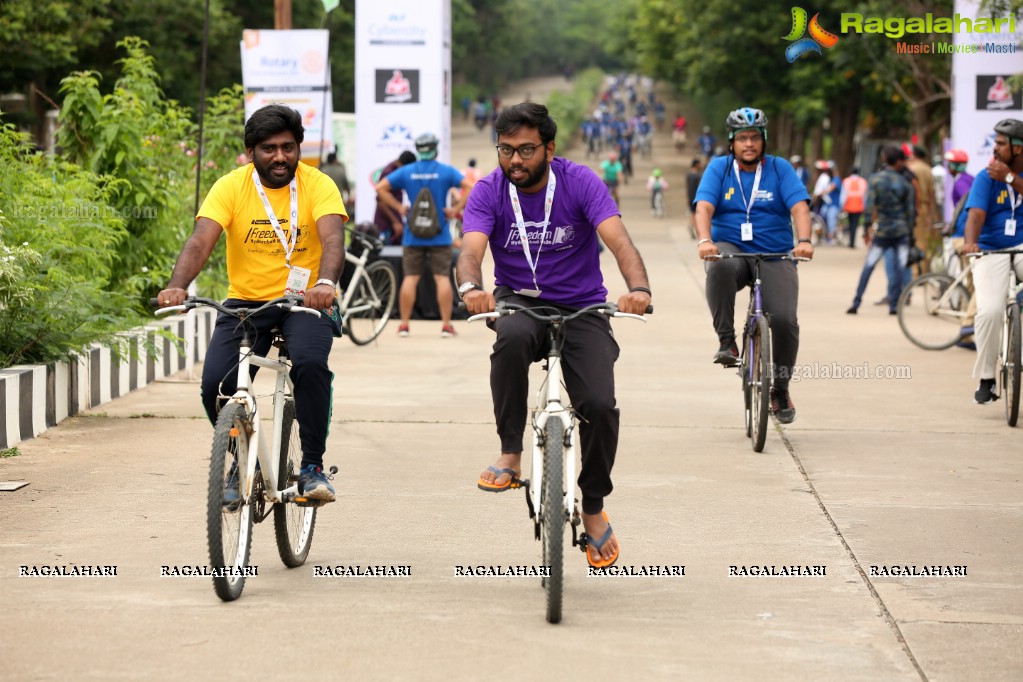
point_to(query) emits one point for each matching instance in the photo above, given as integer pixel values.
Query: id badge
(532, 293)
(298, 280)
(1010, 227)
(747, 231)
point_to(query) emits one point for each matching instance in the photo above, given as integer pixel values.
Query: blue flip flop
(492, 488)
(599, 545)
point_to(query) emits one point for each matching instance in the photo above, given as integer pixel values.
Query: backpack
(423, 218)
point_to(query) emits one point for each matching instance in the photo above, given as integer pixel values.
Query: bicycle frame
(267, 456)
(549, 396)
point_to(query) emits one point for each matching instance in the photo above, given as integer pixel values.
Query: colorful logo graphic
(818, 36)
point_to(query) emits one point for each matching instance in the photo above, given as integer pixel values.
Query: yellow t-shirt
(255, 255)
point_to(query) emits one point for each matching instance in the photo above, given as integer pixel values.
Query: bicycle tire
(747, 385)
(659, 204)
(293, 525)
(372, 304)
(552, 523)
(228, 527)
(1011, 367)
(926, 323)
(761, 383)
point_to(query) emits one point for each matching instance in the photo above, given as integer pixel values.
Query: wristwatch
(329, 282)
(1009, 177)
(466, 287)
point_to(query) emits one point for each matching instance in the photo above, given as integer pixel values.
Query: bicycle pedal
(307, 502)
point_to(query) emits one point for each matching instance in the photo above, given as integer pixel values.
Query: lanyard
(756, 186)
(1014, 201)
(293, 187)
(521, 224)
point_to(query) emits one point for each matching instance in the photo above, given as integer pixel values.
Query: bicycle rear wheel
(228, 521)
(553, 517)
(931, 311)
(760, 383)
(1011, 366)
(747, 386)
(293, 525)
(371, 304)
(659, 204)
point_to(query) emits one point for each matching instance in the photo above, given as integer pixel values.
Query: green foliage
(569, 109)
(58, 234)
(10, 452)
(137, 136)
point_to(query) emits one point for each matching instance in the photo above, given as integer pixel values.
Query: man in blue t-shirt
(746, 202)
(541, 217)
(994, 207)
(439, 178)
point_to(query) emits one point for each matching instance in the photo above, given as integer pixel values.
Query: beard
(532, 178)
(274, 181)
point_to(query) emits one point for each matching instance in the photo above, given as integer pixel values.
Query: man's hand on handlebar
(171, 296)
(478, 301)
(634, 302)
(803, 250)
(319, 297)
(707, 249)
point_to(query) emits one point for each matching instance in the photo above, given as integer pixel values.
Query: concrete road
(888, 464)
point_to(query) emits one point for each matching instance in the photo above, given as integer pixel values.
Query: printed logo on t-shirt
(561, 237)
(263, 237)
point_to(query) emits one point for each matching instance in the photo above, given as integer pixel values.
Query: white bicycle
(264, 475)
(553, 466)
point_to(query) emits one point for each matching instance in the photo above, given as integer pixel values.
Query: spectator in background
(678, 132)
(962, 182)
(938, 175)
(335, 170)
(924, 235)
(422, 252)
(854, 194)
(388, 221)
(827, 193)
(707, 143)
(797, 165)
(890, 202)
(692, 184)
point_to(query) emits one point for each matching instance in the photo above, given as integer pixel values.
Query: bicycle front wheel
(371, 304)
(931, 311)
(228, 517)
(1011, 366)
(553, 517)
(293, 525)
(760, 383)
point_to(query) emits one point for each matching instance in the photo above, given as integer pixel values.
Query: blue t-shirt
(440, 178)
(993, 197)
(836, 194)
(567, 255)
(770, 213)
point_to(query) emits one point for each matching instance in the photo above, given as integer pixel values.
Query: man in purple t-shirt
(563, 207)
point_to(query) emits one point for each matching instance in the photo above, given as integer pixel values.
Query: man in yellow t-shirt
(284, 223)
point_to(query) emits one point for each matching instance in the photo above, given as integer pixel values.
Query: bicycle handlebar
(609, 309)
(993, 252)
(757, 256)
(290, 303)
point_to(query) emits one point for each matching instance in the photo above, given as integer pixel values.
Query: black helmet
(1012, 128)
(746, 117)
(426, 145)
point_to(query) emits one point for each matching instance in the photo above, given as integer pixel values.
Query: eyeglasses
(525, 151)
(749, 137)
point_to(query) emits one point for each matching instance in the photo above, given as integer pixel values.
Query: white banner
(402, 84)
(981, 96)
(291, 68)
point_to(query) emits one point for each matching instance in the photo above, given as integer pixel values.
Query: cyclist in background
(284, 222)
(994, 207)
(656, 184)
(746, 202)
(611, 169)
(541, 217)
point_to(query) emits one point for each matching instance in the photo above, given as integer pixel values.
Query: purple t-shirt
(568, 261)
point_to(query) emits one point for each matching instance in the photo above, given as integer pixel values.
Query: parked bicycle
(249, 477)
(756, 360)
(367, 299)
(934, 306)
(553, 468)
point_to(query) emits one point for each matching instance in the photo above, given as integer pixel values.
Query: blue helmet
(745, 118)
